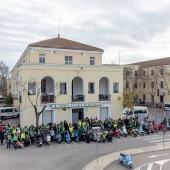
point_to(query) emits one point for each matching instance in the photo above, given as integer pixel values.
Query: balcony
(104, 97)
(78, 98)
(47, 98)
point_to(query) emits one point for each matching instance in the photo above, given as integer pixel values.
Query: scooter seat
(122, 154)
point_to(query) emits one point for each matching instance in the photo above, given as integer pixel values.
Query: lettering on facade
(57, 106)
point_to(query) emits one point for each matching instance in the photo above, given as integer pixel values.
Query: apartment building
(67, 77)
(150, 80)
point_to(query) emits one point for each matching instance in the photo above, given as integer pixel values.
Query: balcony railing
(49, 98)
(78, 98)
(104, 97)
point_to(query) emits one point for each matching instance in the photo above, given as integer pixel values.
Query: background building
(69, 78)
(150, 80)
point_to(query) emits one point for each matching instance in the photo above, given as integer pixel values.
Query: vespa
(126, 159)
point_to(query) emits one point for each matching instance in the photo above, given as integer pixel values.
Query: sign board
(167, 107)
(74, 105)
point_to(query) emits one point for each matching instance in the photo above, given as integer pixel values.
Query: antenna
(59, 28)
(119, 57)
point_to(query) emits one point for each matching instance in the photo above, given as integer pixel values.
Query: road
(72, 156)
(149, 161)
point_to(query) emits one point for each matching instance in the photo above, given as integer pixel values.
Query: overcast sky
(139, 29)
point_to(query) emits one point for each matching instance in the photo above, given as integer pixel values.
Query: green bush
(8, 100)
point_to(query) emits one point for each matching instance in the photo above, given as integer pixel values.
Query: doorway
(77, 114)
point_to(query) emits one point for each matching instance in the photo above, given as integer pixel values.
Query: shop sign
(57, 106)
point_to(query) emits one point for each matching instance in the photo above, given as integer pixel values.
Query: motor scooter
(140, 130)
(67, 137)
(76, 134)
(126, 159)
(168, 125)
(40, 142)
(123, 131)
(58, 138)
(116, 133)
(48, 139)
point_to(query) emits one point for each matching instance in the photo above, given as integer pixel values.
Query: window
(31, 88)
(144, 85)
(92, 60)
(152, 72)
(127, 85)
(161, 72)
(63, 88)
(135, 73)
(43, 86)
(162, 84)
(68, 59)
(152, 84)
(143, 73)
(115, 87)
(91, 88)
(144, 97)
(157, 92)
(42, 58)
(127, 73)
(161, 99)
(135, 85)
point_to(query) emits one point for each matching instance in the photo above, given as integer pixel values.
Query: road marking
(162, 143)
(155, 156)
(83, 143)
(150, 136)
(51, 147)
(75, 143)
(68, 145)
(150, 166)
(159, 140)
(153, 138)
(59, 145)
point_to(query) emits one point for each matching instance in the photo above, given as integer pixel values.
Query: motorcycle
(126, 159)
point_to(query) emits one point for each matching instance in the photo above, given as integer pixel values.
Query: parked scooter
(40, 141)
(116, 133)
(131, 131)
(146, 129)
(67, 137)
(58, 138)
(76, 134)
(156, 127)
(168, 125)
(123, 131)
(48, 139)
(126, 159)
(140, 130)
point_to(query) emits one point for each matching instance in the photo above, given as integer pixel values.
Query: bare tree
(4, 74)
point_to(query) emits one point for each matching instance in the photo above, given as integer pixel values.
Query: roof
(61, 43)
(153, 63)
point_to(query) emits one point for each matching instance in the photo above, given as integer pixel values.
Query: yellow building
(150, 80)
(69, 78)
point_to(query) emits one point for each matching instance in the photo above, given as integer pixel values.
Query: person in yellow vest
(22, 137)
(14, 130)
(79, 123)
(103, 137)
(15, 140)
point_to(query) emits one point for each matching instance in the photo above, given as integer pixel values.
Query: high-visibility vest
(15, 138)
(103, 136)
(79, 122)
(9, 137)
(22, 135)
(14, 131)
(70, 129)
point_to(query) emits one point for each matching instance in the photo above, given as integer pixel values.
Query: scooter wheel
(118, 136)
(142, 133)
(125, 135)
(131, 166)
(68, 142)
(135, 134)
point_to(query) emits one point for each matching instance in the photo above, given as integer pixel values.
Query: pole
(97, 143)
(163, 138)
(119, 57)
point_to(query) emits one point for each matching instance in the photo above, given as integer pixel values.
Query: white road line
(83, 143)
(153, 138)
(68, 145)
(162, 143)
(150, 166)
(159, 140)
(42, 148)
(150, 136)
(59, 145)
(75, 143)
(51, 147)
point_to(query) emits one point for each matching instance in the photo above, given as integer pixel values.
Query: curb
(104, 161)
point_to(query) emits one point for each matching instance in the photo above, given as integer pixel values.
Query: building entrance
(77, 114)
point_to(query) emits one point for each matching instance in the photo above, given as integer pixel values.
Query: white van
(6, 112)
(137, 110)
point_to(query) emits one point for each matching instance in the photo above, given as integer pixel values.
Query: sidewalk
(104, 161)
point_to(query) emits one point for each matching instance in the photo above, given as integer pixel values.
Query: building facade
(69, 78)
(150, 80)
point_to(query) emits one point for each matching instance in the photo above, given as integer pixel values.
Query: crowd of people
(19, 136)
